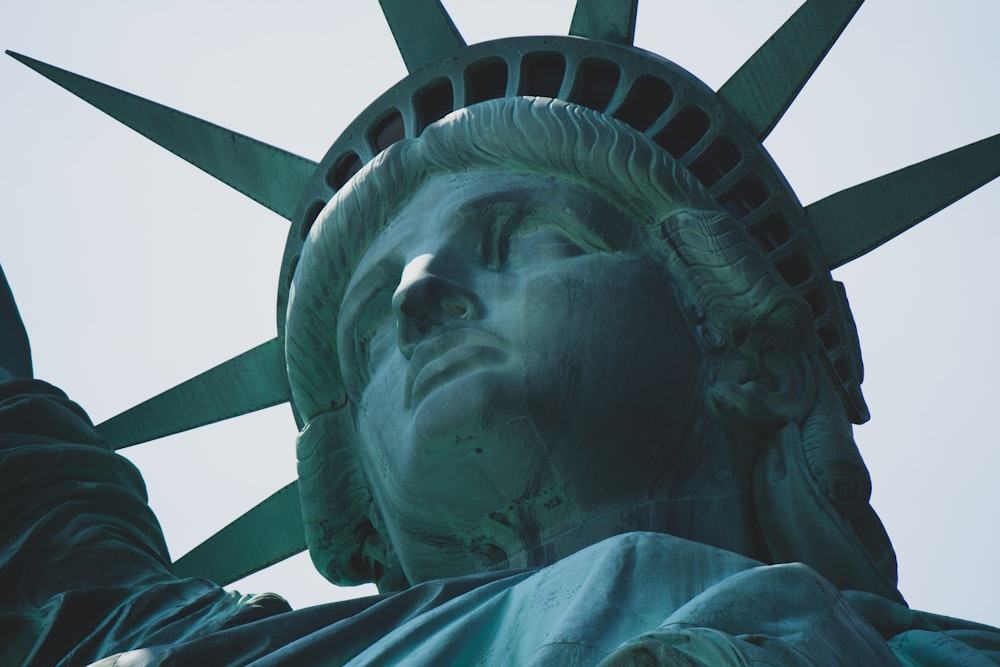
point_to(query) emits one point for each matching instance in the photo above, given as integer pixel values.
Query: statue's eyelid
(569, 238)
(498, 248)
(497, 239)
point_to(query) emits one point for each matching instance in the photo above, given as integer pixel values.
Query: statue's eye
(542, 244)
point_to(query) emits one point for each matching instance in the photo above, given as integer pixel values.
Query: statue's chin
(554, 544)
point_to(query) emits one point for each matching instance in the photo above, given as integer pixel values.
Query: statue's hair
(729, 283)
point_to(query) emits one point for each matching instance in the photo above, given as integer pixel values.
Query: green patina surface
(559, 372)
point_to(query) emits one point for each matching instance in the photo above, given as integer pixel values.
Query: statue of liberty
(573, 381)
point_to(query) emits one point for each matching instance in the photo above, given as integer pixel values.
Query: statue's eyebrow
(497, 215)
(502, 225)
(590, 232)
(503, 215)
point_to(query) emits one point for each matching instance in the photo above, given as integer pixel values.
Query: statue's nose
(428, 299)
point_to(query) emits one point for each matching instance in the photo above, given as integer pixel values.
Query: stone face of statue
(521, 369)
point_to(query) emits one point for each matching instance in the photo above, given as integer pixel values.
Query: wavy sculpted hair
(734, 289)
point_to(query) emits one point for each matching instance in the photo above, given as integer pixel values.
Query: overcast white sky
(134, 271)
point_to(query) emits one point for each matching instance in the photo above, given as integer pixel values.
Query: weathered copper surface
(742, 361)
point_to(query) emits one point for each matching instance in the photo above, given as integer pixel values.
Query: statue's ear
(762, 379)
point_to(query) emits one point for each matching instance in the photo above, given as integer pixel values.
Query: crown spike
(765, 86)
(859, 219)
(15, 350)
(422, 29)
(246, 383)
(237, 550)
(608, 20)
(268, 175)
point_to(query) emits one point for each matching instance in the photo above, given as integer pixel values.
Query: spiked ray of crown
(601, 71)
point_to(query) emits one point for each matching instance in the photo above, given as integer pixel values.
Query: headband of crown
(716, 135)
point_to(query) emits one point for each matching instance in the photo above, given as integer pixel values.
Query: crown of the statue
(716, 135)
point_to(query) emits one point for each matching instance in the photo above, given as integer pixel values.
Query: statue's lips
(446, 356)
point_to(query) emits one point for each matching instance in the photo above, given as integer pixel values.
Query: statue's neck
(703, 495)
(705, 498)
(717, 517)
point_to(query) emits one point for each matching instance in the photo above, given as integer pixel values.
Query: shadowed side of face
(520, 369)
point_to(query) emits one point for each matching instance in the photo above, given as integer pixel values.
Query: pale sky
(134, 271)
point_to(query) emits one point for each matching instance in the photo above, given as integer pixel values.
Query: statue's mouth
(446, 356)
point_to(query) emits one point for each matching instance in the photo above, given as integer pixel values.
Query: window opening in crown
(720, 158)
(433, 102)
(386, 131)
(843, 369)
(542, 74)
(683, 131)
(342, 170)
(310, 218)
(744, 197)
(772, 232)
(816, 301)
(485, 80)
(595, 85)
(795, 269)
(646, 101)
(829, 337)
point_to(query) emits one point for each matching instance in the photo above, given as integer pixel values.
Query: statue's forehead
(470, 206)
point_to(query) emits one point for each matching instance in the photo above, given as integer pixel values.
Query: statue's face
(520, 369)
